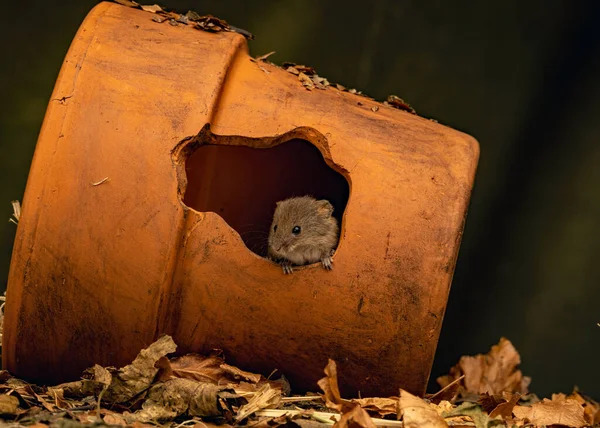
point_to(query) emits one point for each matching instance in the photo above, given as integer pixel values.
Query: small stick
(455, 381)
(98, 183)
(297, 399)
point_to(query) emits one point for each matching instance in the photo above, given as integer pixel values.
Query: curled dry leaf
(329, 385)
(174, 397)
(138, 376)
(357, 417)
(399, 103)
(125, 383)
(306, 81)
(476, 413)
(381, 406)
(417, 413)
(211, 369)
(558, 411)
(504, 410)
(493, 373)
(309, 71)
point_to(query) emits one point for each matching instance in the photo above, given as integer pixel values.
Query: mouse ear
(324, 208)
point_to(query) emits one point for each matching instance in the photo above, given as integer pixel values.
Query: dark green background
(522, 77)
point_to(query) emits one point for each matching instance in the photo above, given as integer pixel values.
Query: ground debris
(208, 23)
(205, 392)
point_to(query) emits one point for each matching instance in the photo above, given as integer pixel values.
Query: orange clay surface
(164, 244)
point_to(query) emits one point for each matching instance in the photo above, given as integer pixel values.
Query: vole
(303, 231)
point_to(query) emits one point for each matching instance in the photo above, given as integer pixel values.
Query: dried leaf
(9, 405)
(306, 81)
(158, 19)
(558, 411)
(382, 406)
(134, 378)
(153, 8)
(197, 367)
(167, 400)
(399, 103)
(329, 385)
(309, 71)
(476, 413)
(265, 398)
(417, 413)
(493, 373)
(355, 417)
(340, 87)
(374, 108)
(504, 410)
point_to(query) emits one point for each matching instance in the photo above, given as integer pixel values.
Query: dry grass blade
(265, 397)
(16, 212)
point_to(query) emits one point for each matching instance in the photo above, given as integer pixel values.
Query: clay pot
(162, 154)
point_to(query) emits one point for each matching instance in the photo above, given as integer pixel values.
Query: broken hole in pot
(242, 184)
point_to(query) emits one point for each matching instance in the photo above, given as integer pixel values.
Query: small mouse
(303, 231)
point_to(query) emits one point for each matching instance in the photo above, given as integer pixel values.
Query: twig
(98, 183)
(297, 399)
(455, 381)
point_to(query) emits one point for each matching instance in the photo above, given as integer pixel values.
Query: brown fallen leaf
(399, 103)
(174, 397)
(152, 8)
(591, 408)
(213, 369)
(504, 410)
(476, 413)
(329, 385)
(309, 71)
(306, 81)
(356, 417)
(558, 411)
(9, 404)
(381, 406)
(493, 373)
(417, 413)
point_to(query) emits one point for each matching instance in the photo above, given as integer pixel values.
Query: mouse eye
(296, 230)
(275, 228)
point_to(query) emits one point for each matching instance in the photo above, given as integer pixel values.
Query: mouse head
(300, 222)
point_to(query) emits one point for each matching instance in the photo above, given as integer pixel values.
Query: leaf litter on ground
(203, 391)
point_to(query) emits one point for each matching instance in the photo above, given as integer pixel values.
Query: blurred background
(521, 77)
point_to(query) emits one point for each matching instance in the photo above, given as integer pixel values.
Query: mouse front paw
(287, 267)
(327, 262)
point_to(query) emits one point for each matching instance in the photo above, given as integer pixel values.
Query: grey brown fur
(318, 235)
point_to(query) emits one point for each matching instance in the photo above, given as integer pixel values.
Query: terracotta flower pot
(162, 154)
